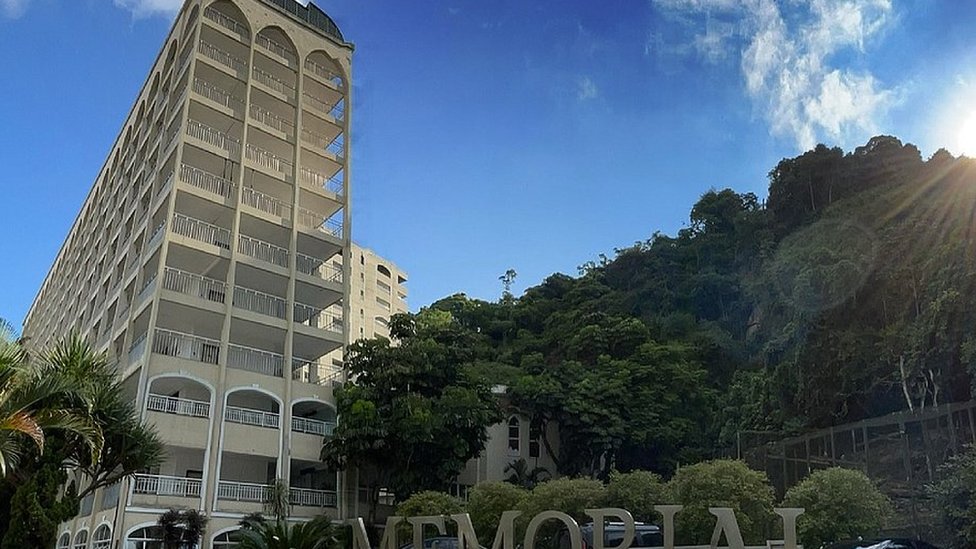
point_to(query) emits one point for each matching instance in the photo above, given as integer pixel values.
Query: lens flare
(966, 140)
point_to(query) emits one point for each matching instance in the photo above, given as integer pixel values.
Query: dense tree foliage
(486, 503)
(847, 294)
(839, 504)
(637, 492)
(955, 499)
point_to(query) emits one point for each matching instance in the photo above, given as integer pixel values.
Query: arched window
(102, 538)
(148, 537)
(514, 428)
(81, 539)
(64, 542)
(227, 540)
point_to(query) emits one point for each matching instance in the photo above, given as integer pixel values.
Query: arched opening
(226, 540)
(81, 540)
(321, 66)
(180, 396)
(102, 538)
(190, 22)
(228, 16)
(383, 270)
(255, 408)
(312, 417)
(514, 435)
(147, 537)
(248, 462)
(64, 542)
(273, 43)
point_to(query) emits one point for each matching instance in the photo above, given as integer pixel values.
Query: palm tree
(319, 533)
(182, 528)
(522, 476)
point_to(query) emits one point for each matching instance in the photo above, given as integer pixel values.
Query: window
(514, 428)
(64, 542)
(81, 539)
(227, 540)
(149, 537)
(102, 539)
(86, 508)
(535, 438)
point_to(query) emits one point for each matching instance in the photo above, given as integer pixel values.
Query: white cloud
(147, 8)
(13, 8)
(586, 89)
(786, 61)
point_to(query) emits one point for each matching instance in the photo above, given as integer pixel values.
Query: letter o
(575, 538)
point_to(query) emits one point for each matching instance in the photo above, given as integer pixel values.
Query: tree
(954, 498)
(415, 414)
(637, 492)
(428, 503)
(519, 474)
(486, 503)
(318, 533)
(839, 504)
(720, 483)
(277, 502)
(569, 495)
(181, 528)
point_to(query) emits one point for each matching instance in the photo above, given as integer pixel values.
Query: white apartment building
(207, 260)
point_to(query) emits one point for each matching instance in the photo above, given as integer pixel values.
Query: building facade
(211, 261)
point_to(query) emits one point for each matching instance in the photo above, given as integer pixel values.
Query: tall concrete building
(211, 260)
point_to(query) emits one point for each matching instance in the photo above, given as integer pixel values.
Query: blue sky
(525, 134)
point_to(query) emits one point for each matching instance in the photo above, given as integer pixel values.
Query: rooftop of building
(311, 15)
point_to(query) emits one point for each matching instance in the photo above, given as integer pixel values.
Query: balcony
(316, 180)
(312, 426)
(217, 95)
(178, 406)
(227, 23)
(161, 485)
(223, 58)
(243, 491)
(201, 231)
(255, 418)
(262, 251)
(318, 268)
(192, 284)
(308, 497)
(213, 137)
(255, 360)
(311, 371)
(265, 159)
(272, 120)
(308, 219)
(260, 302)
(315, 317)
(206, 181)
(186, 346)
(277, 51)
(272, 82)
(265, 203)
(138, 348)
(324, 74)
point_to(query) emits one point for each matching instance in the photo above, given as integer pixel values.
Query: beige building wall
(207, 263)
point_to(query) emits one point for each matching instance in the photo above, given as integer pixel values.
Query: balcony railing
(318, 318)
(138, 348)
(269, 160)
(318, 268)
(213, 137)
(161, 485)
(311, 371)
(315, 138)
(228, 23)
(316, 103)
(308, 219)
(255, 360)
(261, 250)
(206, 181)
(243, 491)
(273, 82)
(277, 49)
(157, 233)
(214, 53)
(265, 203)
(271, 119)
(260, 302)
(217, 95)
(190, 347)
(257, 418)
(194, 285)
(312, 426)
(323, 72)
(202, 231)
(308, 497)
(177, 406)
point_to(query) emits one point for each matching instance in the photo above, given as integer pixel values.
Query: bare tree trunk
(904, 382)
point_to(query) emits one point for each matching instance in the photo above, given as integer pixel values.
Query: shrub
(487, 502)
(428, 503)
(954, 497)
(571, 496)
(720, 483)
(840, 504)
(637, 492)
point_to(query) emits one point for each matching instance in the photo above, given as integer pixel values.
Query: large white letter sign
(359, 538)
(668, 511)
(599, 524)
(575, 539)
(726, 523)
(418, 527)
(504, 536)
(789, 525)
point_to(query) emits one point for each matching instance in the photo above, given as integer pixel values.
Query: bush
(571, 496)
(720, 483)
(428, 503)
(840, 504)
(637, 492)
(954, 497)
(487, 502)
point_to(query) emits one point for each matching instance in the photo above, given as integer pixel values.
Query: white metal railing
(260, 302)
(227, 22)
(191, 347)
(273, 82)
(318, 267)
(315, 102)
(311, 371)
(312, 426)
(277, 49)
(264, 251)
(156, 234)
(213, 137)
(269, 160)
(216, 94)
(195, 285)
(177, 406)
(206, 181)
(147, 287)
(323, 72)
(255, 360)
(138, 347)
(243, 491)
(318, 318)
(271, 119)
(162, 485)
(201, 230)
(308, 497)
(265, 203)
(257, 418)
(315, 138)
(224, 58)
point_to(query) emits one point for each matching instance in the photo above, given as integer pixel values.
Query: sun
(966, 139)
